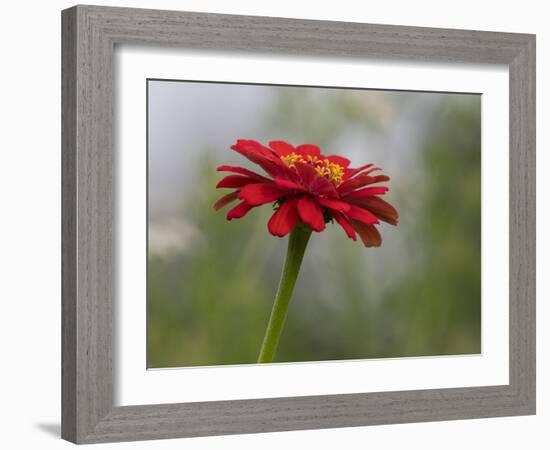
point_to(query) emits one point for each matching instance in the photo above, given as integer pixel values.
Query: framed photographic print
(278, 224)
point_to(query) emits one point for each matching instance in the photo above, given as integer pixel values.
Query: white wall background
(30, 223)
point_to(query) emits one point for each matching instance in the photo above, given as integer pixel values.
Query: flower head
(308, 187)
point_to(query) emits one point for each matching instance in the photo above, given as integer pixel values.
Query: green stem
(297, 243)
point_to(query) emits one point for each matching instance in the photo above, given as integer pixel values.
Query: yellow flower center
(331, 171)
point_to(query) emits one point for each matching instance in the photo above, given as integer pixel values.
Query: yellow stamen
(331, 171)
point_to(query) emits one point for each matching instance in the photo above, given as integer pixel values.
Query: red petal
(346, 225)
(251, 146)
(377, 190)
(322, 186)
(239, 211)
(340, 160)
(380, 208)
(282, 148)
(314, 182)
(360, 181)
(260, 193)
(336, 205)
(287, 184)
(311, 213)
(368, 233)
(361, 215)
(308, 150)
(262, 156)
(367, 172)
(226, 199)
(289, 174)
(235, 181)
(307, 173)
(348, 173)
(242, 171)
(284, 219)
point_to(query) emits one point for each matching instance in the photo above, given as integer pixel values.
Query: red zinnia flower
(308, 187)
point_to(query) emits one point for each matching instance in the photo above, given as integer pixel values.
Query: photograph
(272, 225)
(294, 224)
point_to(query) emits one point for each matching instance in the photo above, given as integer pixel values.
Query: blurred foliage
(419, 294)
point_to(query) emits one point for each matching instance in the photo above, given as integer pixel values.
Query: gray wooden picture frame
(90, 34)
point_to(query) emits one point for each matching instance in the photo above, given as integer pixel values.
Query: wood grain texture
(88, 208)
(88, 304)
(68, 225)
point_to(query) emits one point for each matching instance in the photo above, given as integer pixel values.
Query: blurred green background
(211, 282)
